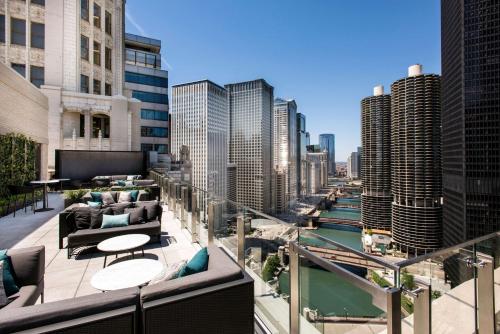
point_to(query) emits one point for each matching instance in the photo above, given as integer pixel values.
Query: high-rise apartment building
(327, 143)
(317, 171)
(251, 143)
(353, 165)
(416, 162)
(285, 147)
(200, 121)
(301, 154)
(73, 51)
(470, 45)
(376, 197)
(149, 84)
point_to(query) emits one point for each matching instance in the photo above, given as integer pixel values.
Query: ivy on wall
(17, 161)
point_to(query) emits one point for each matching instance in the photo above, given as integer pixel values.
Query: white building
(353, 165)
(317, 171)
(73, 51)
(285, 147)
(251, 143)
(200, 121)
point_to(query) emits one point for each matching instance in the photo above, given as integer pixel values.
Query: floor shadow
(125, 257)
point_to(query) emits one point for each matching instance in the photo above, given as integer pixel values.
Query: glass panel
(18, 31)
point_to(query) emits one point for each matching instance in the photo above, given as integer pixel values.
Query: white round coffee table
(126, 274)
(123, 243)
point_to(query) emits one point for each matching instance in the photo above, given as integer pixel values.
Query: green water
(350, 237)
(342, 213)
(349, 201)
(330, 294)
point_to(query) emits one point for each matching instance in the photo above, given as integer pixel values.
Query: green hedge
(17, 161)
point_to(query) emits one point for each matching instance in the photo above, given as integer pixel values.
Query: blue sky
(326, 54)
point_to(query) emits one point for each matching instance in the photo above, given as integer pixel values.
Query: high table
(45, 198)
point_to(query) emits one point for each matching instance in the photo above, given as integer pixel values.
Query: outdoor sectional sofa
(219, 300)
(85, 237)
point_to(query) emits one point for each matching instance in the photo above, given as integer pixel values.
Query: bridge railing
(306, 283)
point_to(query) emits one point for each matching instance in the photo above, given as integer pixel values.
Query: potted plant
(73, 196)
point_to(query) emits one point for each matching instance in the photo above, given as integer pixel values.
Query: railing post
(294, 289)
(240, 232)
(393, 311)
(183, 206)
(485, 296)
(210, 223)
(195, 219)
(422, 311)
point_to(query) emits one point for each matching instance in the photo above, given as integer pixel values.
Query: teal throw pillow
(121, 183)
(94, 204)
(109, 221)
(198, 264)
(9, 283)
(96, 196)
(134, 194)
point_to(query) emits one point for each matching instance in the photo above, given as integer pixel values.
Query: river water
(327, 292)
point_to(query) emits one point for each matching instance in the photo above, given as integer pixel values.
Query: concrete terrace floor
(69, 278)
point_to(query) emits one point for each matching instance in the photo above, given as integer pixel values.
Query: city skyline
(343, 71)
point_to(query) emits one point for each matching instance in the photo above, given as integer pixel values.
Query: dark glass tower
(376, 198)
(416, 162)
(470, 32)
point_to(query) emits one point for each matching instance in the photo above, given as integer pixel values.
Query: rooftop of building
(142, 43)
(198, 82)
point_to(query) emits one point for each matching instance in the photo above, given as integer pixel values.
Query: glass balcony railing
(306, 283)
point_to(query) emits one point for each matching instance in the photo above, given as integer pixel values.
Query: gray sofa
(142, 197)
(85, 237)
(219, 300)
(28, 265)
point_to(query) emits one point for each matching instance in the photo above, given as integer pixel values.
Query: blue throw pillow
(133, 195)
(96, 197)
(94, 204)
(115, 221)
(9, 283)
(198, 264)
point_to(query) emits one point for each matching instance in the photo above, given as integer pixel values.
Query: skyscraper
(285, 146)
(250, 141)
(200, 121)
(327, 143)
(301, 154)
(471, 123)
(353, 165)
(73, 51)
(416, 161)
(376, 198)
(149, 84)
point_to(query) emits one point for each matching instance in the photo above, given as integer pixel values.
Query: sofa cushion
(96, 216)
(197, 264)
(119, 208)
(96, 196)
(124, 197)
(82, 217)
(107, 198)
(109, 221)
(89, 236)
(94, 204)
(152, 209)
(28, 264)
(134, 194)
(118, 177)
(3, 296)
(29, 317)
(136, 215)
(9, 282)
(143, 183)
(221, 269)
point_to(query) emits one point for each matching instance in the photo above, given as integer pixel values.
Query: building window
(107, 89)
(19, 68)
(152, 131)
(107, 22)
(84, 47)
(17, 31)
(146, 147)
(107, 58)
(38, 2)
(100, 123)
(97, 87)
(145, 79)
(2, 28)
(160, 148)
(84, 5)
(97, 53)
(82, 125)
(143, 59)
(154, 115)
(37, 76)
(37, 35)
(84, 84)
(97, 16)
(150, 97)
